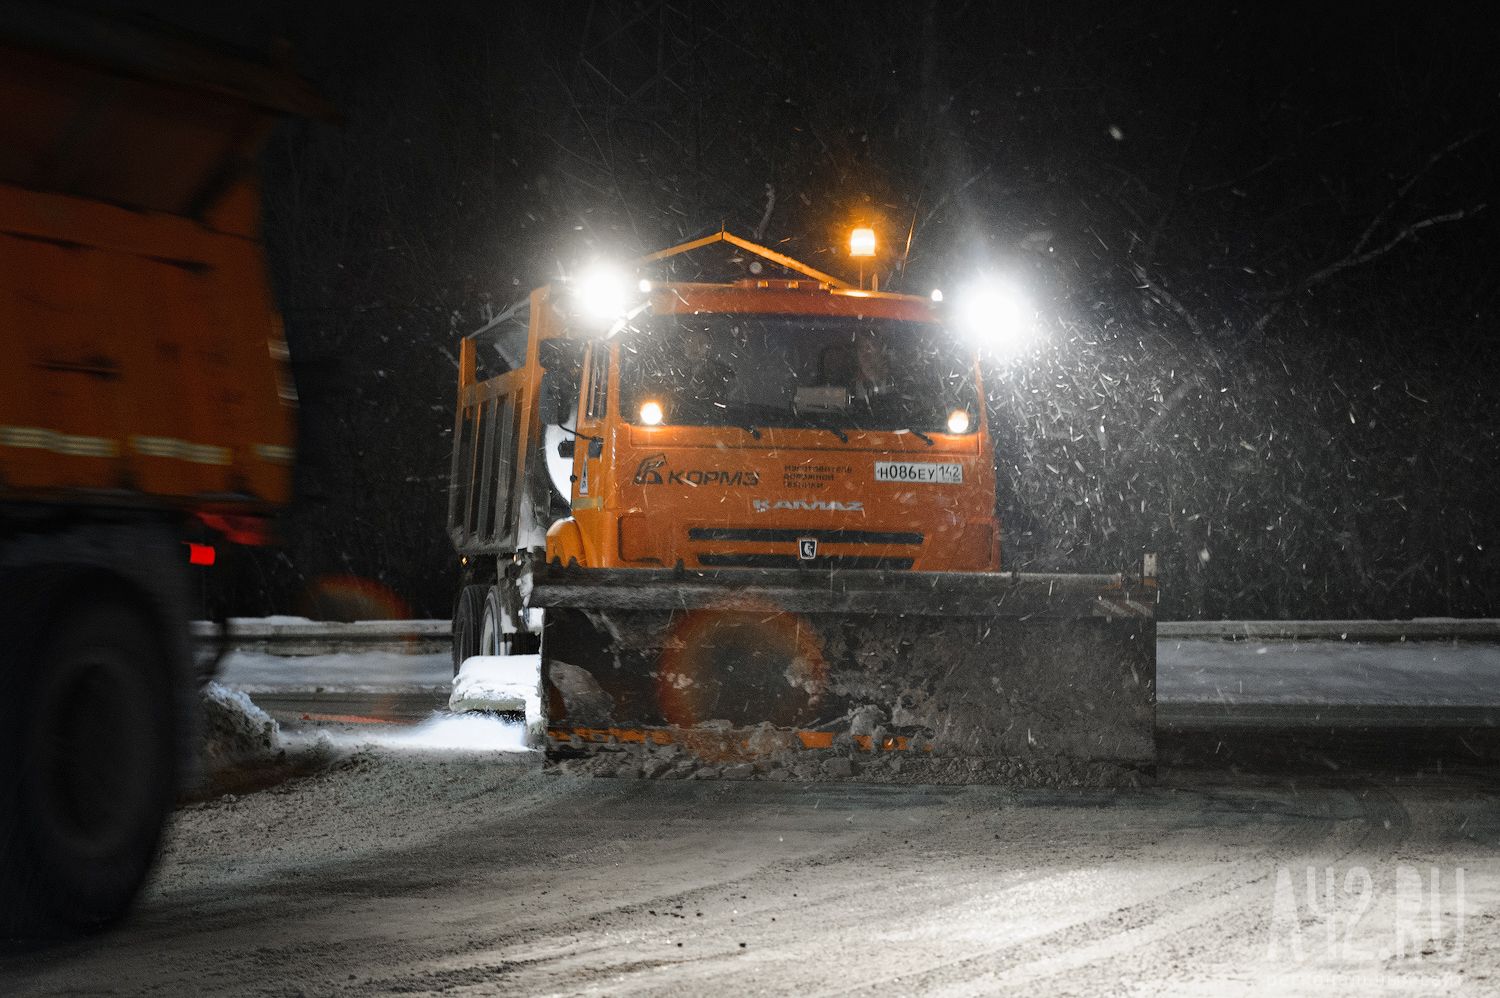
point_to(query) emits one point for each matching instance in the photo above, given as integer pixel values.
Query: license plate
(919, 472)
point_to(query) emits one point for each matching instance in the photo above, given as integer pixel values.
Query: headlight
(996, 315)
(958, 421)
(601, 292)
(651, 412)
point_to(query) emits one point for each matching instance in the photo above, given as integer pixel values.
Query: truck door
(588, 480)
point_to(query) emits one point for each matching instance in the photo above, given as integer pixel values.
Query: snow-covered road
(398, 866)
(401, 872)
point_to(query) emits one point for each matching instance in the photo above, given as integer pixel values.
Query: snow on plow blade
(1022, 679)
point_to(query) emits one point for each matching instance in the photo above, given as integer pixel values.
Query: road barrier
(1420, 629)
(321, 637)
(425, 637)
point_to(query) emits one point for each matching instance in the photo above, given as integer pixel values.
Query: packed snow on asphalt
(405, 871)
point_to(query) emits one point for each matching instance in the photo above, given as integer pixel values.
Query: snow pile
(235, 730)
(501, 683)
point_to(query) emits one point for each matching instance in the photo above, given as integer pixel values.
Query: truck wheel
(494, 639)
(491, 633)
(468, 613)
(87, 770)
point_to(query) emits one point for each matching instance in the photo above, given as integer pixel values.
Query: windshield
(809, 371)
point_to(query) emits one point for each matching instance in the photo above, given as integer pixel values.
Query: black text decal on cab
(653, 471)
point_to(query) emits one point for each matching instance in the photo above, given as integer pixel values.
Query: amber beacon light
(862, 242)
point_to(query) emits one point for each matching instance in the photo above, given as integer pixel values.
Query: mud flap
(741, 687)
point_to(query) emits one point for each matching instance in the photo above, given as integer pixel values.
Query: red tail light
(201, 554)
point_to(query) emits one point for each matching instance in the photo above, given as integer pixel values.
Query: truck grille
(792, 561)
(791, 535)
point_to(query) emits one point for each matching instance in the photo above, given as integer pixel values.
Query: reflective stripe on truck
(41, 438)
(73, 445)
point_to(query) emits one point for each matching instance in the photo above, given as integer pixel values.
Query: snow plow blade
(1019, 679)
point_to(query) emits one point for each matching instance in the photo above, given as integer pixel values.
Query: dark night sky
(1265, 230)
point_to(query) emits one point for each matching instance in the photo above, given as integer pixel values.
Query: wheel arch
(565, 544)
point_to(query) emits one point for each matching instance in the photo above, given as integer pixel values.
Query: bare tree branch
(1162, 295)
(950, 195)
(1356, 258)
(1358, 253)
(1411, 182)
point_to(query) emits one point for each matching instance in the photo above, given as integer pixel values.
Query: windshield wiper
(740, 419)
(924, 437)
(844, 437)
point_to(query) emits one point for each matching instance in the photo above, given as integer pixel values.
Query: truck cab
(757, 423)
(776, 424)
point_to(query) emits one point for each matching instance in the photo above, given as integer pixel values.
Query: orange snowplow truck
(750, 526)
(145, 416)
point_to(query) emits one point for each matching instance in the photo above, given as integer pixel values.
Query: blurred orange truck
(145, 413)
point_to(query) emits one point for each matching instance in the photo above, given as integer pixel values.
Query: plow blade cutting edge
(1023, 679)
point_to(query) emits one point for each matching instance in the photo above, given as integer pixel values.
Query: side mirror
(567, 448)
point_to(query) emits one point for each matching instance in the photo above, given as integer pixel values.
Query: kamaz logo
(807, 506)
(648, 472)
(653, 471)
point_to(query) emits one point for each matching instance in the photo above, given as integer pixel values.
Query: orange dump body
(143, 358)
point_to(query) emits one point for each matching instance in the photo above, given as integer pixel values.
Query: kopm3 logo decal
(653, 470)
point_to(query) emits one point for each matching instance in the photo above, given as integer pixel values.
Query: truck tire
(468, 615)
(87, 768)
(493, 638)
